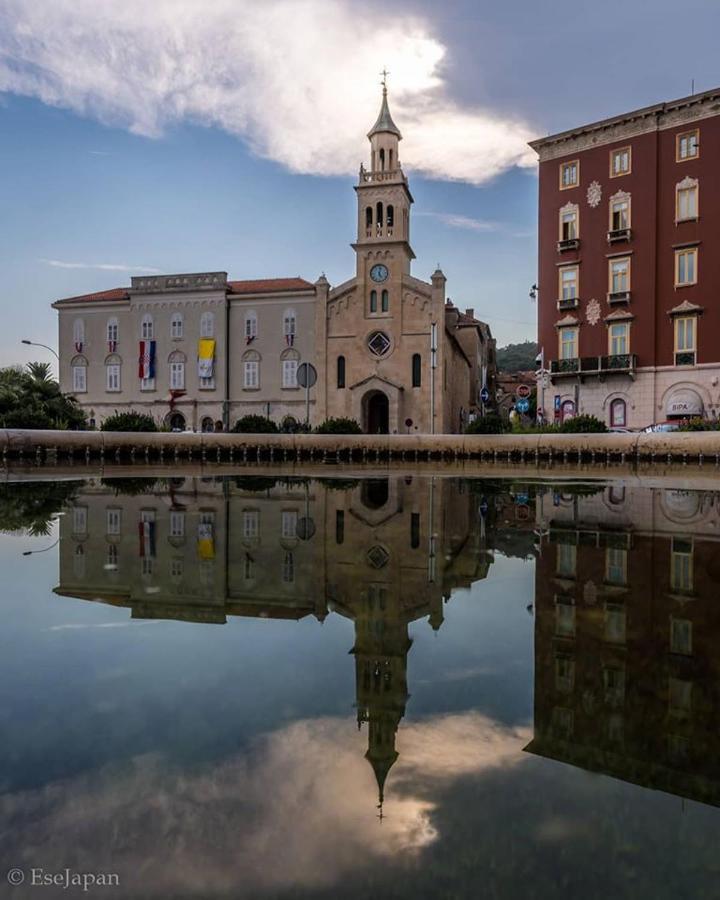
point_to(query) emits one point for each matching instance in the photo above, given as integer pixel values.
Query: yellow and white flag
(206, 357)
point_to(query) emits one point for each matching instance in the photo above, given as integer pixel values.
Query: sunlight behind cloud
(296, 79)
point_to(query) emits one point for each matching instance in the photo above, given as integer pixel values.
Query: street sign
(305, 528)
(484, 395)
(306, 375)
(522, 406)
(523, 391)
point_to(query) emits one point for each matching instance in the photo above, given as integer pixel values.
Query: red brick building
(629, 267)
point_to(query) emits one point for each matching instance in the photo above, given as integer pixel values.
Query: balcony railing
(568, 244)
(568, 303)
(618, 297)
(621, 363)
(619, 234)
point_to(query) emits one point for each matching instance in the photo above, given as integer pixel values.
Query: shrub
(129, 421)
(338, 426)
(698, 424)
(255, 425)
(583, 425)
(490, 424)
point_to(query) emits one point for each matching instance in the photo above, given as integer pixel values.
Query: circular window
(379, 343)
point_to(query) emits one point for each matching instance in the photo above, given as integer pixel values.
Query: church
(200, 351)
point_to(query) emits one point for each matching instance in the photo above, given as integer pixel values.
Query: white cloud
(104, 267)
(469, 223)
(296, 79)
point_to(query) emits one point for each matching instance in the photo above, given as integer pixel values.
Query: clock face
(379, 273)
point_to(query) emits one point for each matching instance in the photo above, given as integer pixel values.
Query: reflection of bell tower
(381, 647)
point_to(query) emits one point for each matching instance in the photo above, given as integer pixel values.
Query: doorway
(177, 422)
(377, 413)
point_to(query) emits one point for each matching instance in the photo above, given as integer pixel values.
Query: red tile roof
(269, 285)
(256, 286)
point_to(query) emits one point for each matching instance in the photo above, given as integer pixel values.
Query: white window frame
(112, 331)
(251, 374)
(289, 373)
(289, 323)
(79, 332)
(177, 326)
(251, 324)
(571, 165)
(687, 194)
(288, 523)
(619, 270)
(177, 523)
(113, 374)
(147, 328)
(207, 325)
(113, 521)
(618, 154)
(79, 379)
(177, 376)
(690, 275)
(251, 524)
(569, 282)
(687, 145)
(565, 342)
(618, 338)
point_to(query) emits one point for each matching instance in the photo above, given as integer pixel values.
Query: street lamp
(44, 346)
(44, 549)
(541, 373)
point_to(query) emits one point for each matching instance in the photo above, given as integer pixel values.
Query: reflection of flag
(78, 346)
(112, 346)
(146, 361)
(250, 339)
(290, 339)
(205, 541)
(206, 357)
(146, 531)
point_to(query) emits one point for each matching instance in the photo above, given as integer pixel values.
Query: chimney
(470, 313)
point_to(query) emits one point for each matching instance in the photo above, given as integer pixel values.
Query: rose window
(378, 343)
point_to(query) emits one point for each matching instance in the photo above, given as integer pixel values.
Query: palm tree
(40, 372)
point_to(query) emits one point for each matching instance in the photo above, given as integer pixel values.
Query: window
(288, 569)
(687, 145)
(147, 331)
(385, 301)
(290, 360)
(568, 343)
(618, 415)
(416, 370)
(113, 521)
(177, 371)
(564, 616)
(615, 623)
(614, 684)
(618, 338)
(206, 382)
(685, 340)
(207, 325)
(341, 371)
(569, 229)
(251, 523)
(176, 326)
(111, 558)
(686, 200)
(619, 275)
(79, 334)
(339, 526)
(79, 375)
(686, 267)
(390, 218)
(368, 221)
(248, 568)
(569, 174)
(289, 321)
(620, 161)
(414, 530)
(112, 375)
(79, 520)
(681, 566)
(568, 283)
(619, 212)
(379, 343)
(112, 331)
(147, 384)
(616, 565)
(177, 567)
(564, 674)
(566, 562)
(288, 524)
(681, 636)
(251, 370)
(373, 301)
(251, 326)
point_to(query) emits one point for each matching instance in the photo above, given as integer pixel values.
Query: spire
(384, 120)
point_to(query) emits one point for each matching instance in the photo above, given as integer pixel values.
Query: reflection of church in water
(382, 552)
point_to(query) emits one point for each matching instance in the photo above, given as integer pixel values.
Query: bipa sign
(684, 403)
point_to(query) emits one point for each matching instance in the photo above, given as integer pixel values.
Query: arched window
(147, 331)
(382, 160)
(113, 370)
(289, 326)
(251, 370)
(373, 301)
(250, 326)
(207, 424)
(618, 413)
(379, 217)
(289, 362)
(79, 334)
(176, 361)
(416, 370)
(341, 371)
(368, 221)
(112, 331)
(176, 326)
(390, 216)
(207, 325)
(385, 301)
(390, 160)
(79, 374)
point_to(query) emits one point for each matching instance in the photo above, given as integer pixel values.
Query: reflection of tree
(131, 487)
(30, 507)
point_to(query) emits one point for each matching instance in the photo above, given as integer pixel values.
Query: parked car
(662, 426)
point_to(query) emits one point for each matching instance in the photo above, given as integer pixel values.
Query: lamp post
(44, 549)
(541, 374)
(44, 346)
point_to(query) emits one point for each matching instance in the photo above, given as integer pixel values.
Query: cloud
(297, 80)
(469, 223)
(105, 267)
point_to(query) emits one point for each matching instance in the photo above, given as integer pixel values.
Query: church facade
(199, 351)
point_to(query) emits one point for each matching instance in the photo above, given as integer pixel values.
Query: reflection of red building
(627, 658)
(629, 216)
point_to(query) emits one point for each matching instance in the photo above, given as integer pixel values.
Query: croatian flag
(146, 530)
(146, 366)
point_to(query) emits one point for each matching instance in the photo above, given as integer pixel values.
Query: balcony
(594, 366)
(618, 297)
(568, 303)
(568, 244)
(616, 235)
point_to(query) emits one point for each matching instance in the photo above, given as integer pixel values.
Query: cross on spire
(384, 74)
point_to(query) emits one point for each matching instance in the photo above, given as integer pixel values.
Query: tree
(517, 357)
(31, 398)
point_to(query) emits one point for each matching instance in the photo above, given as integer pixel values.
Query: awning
(683, 402)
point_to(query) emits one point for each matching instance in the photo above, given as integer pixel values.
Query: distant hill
(517, 357)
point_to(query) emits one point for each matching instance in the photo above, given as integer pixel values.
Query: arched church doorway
(376, 413)
(176, 422)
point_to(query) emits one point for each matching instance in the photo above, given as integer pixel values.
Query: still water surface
(401, 687)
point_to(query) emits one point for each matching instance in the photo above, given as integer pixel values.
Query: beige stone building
(200, 351)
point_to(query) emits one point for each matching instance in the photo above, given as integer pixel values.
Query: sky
(181, 135)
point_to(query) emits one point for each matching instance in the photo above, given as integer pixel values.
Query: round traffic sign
(522, 406)
(484, 395)
(523, 390)
(306, 375)
(305, 528)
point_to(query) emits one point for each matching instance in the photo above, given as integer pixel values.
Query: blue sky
(179, 137)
